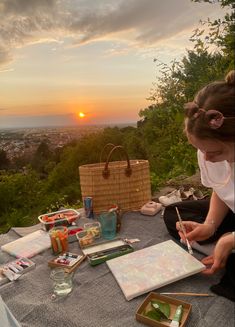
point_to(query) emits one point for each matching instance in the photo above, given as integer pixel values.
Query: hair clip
(216, 118)
(198, 113)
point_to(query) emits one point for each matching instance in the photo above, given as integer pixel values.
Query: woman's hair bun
(230, 77)
(190, 109)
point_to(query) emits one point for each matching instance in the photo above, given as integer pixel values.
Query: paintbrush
(187, 294)
(190, 250)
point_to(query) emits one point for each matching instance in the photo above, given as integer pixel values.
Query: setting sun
(81, 115)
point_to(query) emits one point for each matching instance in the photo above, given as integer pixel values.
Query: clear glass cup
(108, 221)
(62, 281)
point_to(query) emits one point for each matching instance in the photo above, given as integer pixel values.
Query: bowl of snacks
(66, 217)
(85, 238)
(93, 228)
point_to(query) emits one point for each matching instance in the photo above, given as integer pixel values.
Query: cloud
(140, 23)
(5, 55)
(6, 70)
(23, 22)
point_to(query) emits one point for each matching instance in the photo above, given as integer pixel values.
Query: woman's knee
(170, 219)
(170, 216)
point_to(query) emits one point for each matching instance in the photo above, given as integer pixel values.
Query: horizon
(58, 120)
(123, 124)
(75, 62)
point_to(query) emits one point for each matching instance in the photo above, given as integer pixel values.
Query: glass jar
(59, 239)
(62, 281)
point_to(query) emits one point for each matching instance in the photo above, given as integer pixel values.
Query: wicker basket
(125, 183)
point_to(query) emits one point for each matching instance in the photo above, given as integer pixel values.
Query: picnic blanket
(96, 299)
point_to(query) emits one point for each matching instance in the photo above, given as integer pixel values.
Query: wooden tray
(174, 303)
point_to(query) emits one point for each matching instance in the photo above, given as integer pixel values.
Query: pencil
(190, 250)
(187, 294)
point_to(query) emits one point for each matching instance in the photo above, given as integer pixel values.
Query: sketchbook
(145, 270)
(29, 245)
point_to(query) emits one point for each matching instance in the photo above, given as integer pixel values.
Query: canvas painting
(153, 267)
(29, 245)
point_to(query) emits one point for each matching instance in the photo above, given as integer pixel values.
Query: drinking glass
(108, 221)
(62, 281)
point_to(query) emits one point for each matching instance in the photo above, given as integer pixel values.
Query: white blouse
(220, 177)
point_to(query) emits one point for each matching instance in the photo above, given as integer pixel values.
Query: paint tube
(11, 275)
(177, 317)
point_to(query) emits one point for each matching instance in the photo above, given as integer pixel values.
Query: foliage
(221, 31)
(20, 195)
(4, 161)
(162, 122)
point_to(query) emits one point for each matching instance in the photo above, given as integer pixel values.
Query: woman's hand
(219, 258)
(195, 231)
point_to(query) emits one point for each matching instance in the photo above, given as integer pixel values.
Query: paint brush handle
(187, 294)
(190, 250)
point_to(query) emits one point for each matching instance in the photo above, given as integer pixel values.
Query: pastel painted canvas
(29, 245)
(142, 271)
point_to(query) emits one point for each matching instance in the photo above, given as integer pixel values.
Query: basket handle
(128, 170)
(105, 147)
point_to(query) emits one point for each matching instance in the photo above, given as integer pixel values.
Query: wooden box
(174, 303)
(67, 260)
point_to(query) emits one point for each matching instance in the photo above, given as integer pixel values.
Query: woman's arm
(199, 232)
(222, 250)
(217, 212)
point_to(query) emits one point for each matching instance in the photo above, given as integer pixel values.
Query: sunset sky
(59, 58)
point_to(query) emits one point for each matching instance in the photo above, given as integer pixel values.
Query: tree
(4, 161)
(221, 31)
(20, 198)
(41, 158)
(161, 123)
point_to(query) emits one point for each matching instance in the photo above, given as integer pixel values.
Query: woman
(210, 128)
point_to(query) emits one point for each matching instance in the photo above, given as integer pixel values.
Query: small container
(21, 264)
(174, 303)
(59, 239)
(118, 212)
(85, 238)
(66, 217)
(69, 261)
(62, 281)
(72, 230)
(88, 205)
(93, 228)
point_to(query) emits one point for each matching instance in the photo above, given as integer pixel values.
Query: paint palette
(13, 270)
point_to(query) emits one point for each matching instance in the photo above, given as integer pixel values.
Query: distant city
(17, 142)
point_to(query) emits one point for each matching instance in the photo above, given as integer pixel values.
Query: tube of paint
(177, 316)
